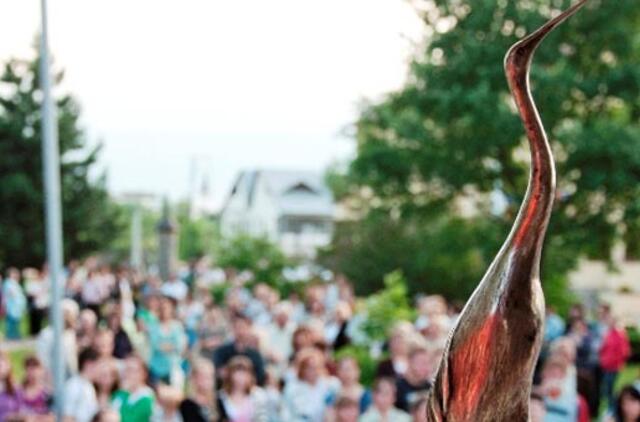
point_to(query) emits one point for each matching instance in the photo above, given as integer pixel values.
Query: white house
(293, 208)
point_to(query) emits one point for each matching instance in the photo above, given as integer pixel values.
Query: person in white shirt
(383, 410)
(81, 402)
(307, 396)
(278, 335)
(44, 346)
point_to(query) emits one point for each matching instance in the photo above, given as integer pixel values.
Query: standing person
(9, 393)
(44, 346)
(396, 365)
(239, 401)
(35, 393)
(122, 346)
(94, 292)
(558, 388)
(307, 396)
(87, 328)
(37, 290)
(81, 402)
(614, 353)
(135, 399)
(212, 331)
(382, 409)
(416, 381)
(107, 380)
(586, 366)
(103, 345)
(14, 302)
(349, 376)
(168, 342)
(241, 345)
(278, 333)
(201, 404)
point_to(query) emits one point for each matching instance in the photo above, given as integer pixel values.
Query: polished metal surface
(487, 369)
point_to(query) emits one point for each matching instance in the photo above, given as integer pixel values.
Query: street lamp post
(53, 214)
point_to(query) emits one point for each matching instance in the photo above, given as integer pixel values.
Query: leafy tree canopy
(450, 140)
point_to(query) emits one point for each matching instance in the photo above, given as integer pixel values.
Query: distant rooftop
(297, 192)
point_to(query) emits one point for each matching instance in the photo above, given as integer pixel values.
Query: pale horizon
(237, 85)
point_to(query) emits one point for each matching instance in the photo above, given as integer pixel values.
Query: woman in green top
(135, 400)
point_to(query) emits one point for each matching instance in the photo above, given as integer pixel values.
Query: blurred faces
(384, 395)
(88, 320)
(166, 310)
(135, 373)
(241, 379)
(281, 318)
(203, 376)
(348, 372)
(34, 372)
(347, 412)
(398, 346)
(630, 407)
(310, 371)
(242, 331)
(106, 376)
(103, 343)
(419, 366)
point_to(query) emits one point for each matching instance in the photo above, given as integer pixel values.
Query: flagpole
(53, 214)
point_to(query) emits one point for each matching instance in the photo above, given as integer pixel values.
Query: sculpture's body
(487, 369)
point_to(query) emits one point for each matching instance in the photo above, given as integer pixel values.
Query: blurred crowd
(138, 348)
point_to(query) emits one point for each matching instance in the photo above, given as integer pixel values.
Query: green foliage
(386, 307)
(219, 293)
(634, 340)
(90, 219)
(255, 254)
(120, 248)
(452, 132)
(197, 237)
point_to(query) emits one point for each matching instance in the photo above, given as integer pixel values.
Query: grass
(17, 358)
(18, 354)
(628, 375)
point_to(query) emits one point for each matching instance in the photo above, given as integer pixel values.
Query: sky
(218, 85)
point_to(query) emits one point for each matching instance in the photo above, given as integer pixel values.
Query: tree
(90, 219)
(451, 136)
(255, 254)
(197, 236)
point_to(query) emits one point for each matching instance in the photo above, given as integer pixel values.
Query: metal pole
(136, 239)
(53, 214)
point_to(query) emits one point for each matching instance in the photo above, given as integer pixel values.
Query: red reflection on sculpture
(487, 369)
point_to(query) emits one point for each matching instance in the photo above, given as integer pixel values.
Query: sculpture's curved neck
(528, 231)
(487, 367)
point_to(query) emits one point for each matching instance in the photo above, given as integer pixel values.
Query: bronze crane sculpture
(487, 368)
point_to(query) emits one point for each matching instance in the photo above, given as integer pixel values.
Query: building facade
(292, 208)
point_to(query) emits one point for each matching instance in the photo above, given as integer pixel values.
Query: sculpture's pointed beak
(522, 52)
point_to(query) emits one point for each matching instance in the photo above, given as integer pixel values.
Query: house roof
(299, 193)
